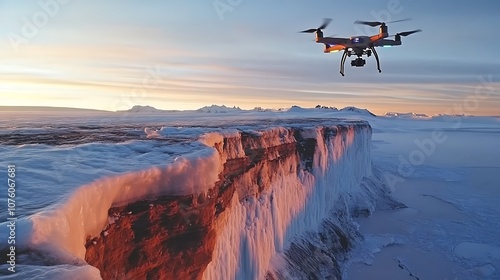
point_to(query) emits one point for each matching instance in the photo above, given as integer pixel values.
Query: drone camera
(358, 62)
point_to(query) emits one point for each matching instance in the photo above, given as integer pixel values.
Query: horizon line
(11, 108)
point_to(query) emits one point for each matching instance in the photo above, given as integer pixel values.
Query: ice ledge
(274, 184)
(260, 182)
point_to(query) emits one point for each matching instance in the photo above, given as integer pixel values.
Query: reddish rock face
(174, 237)
(155, 240)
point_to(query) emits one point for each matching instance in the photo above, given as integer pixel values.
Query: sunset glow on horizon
(114, 55)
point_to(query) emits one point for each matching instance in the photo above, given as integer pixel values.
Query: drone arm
(386, 42)
(376, 58)
(378, 37)
(335, 40)
(334, 48)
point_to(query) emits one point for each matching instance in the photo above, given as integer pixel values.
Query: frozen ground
(451, 228)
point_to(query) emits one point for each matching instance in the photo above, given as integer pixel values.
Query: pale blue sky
(99, 54)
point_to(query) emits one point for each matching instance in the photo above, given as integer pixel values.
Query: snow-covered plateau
(225, 193)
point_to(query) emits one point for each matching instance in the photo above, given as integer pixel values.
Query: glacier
(286, 183)
(295, 185)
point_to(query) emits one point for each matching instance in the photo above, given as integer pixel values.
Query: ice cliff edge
(276, 191)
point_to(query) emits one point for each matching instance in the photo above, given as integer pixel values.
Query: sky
(114, 54)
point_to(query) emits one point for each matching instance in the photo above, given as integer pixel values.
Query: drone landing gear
(359, 62)
(372, 48)
(342, 62)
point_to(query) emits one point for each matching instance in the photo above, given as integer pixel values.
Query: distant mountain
(219, 109)
(448, 115)
(145, 109)
(409, 115)
(326, 107)
(260, 109)
(350, 109)
(296, 109)
(358, 111)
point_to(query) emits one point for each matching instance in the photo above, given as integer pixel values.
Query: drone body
(359, 45)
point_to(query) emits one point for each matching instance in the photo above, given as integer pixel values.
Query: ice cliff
(273, 203)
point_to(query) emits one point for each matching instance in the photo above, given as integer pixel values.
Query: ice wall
(263, 189)
(260, 225)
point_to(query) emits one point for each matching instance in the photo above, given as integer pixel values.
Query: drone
(359, 45)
